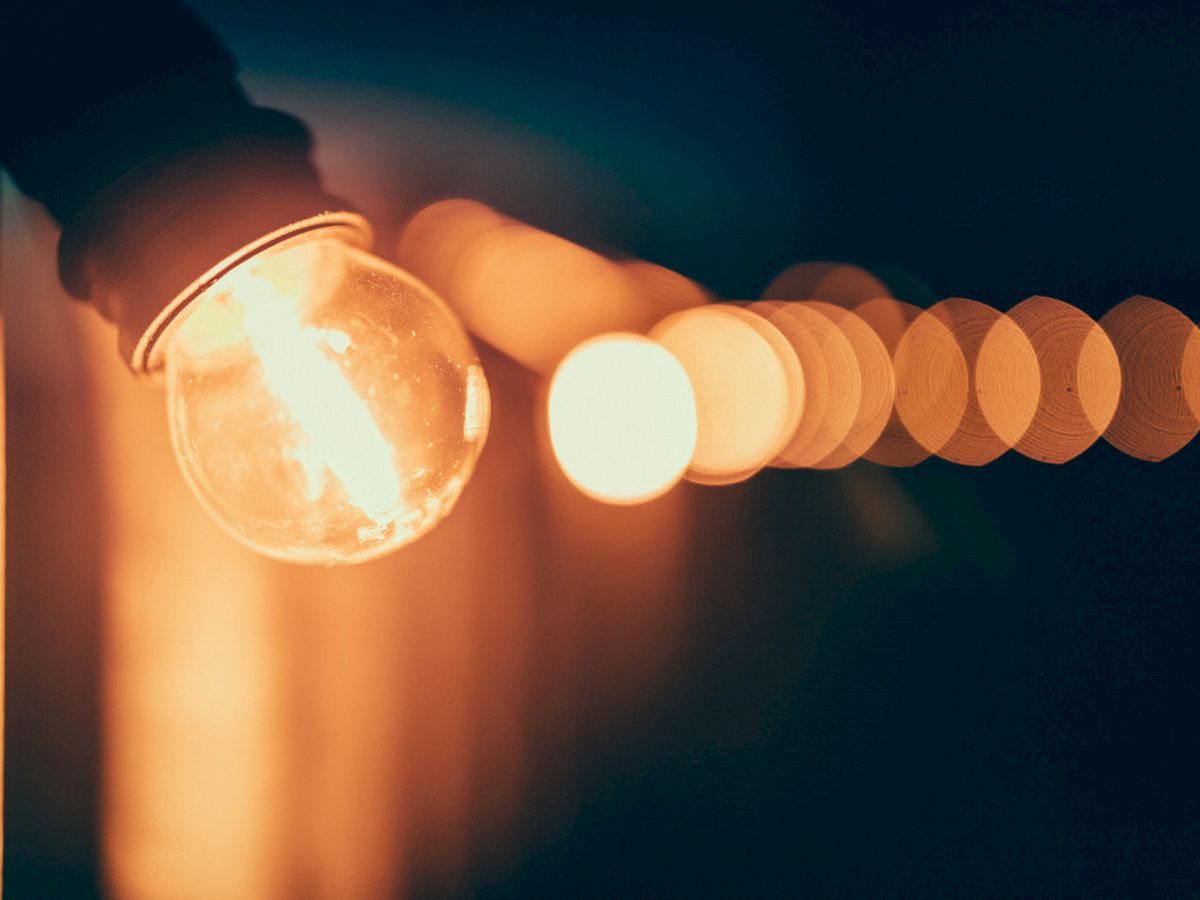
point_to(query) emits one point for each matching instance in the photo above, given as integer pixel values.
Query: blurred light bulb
(622, 418)
(325, 406)
(748, 386)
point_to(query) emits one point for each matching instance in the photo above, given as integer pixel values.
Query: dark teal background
(1012, 714)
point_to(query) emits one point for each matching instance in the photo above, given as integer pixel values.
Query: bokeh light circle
(836, 389)
(748, 384)
(890, 319)
(622, 418)
(877, 391)
(1080, 379)
(1154, 417)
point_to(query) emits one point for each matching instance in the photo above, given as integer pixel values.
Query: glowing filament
(340, 433)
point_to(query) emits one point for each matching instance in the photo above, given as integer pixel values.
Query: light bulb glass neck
(144, 351)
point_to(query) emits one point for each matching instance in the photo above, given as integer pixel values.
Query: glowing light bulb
(622, 418)
(325, 406)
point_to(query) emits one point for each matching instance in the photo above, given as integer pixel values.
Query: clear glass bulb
(324, 405)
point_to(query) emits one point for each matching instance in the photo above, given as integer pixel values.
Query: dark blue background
(1012, 715)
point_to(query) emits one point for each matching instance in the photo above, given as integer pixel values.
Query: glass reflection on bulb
(324, 405)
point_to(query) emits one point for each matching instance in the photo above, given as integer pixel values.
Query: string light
(324, 405)
(622, 418)
(825, 370)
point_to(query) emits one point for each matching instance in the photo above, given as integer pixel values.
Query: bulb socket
(153, 240)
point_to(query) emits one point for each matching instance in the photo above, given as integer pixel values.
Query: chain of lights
(651, 383)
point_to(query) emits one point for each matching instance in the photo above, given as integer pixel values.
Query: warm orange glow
(536, 295)
(797, 386)
(192, 721)
(397, 729)
(828, 352)
(324, 405)
(661, 291)
(1189, 372)
(812, 364)
(251, 749)
(300, 370)
(622, 418)
(857, 404)
(532, 294)
(933, 382)
(841, 284)
(880, 378)
(890, 319)
(415, 726)
(3, 582)
(748, 384)
(1008, 382)
(969, 381)
(436, 240)
(1099, 375)
(878, 386)
(1080, 379)
(1154, 418)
